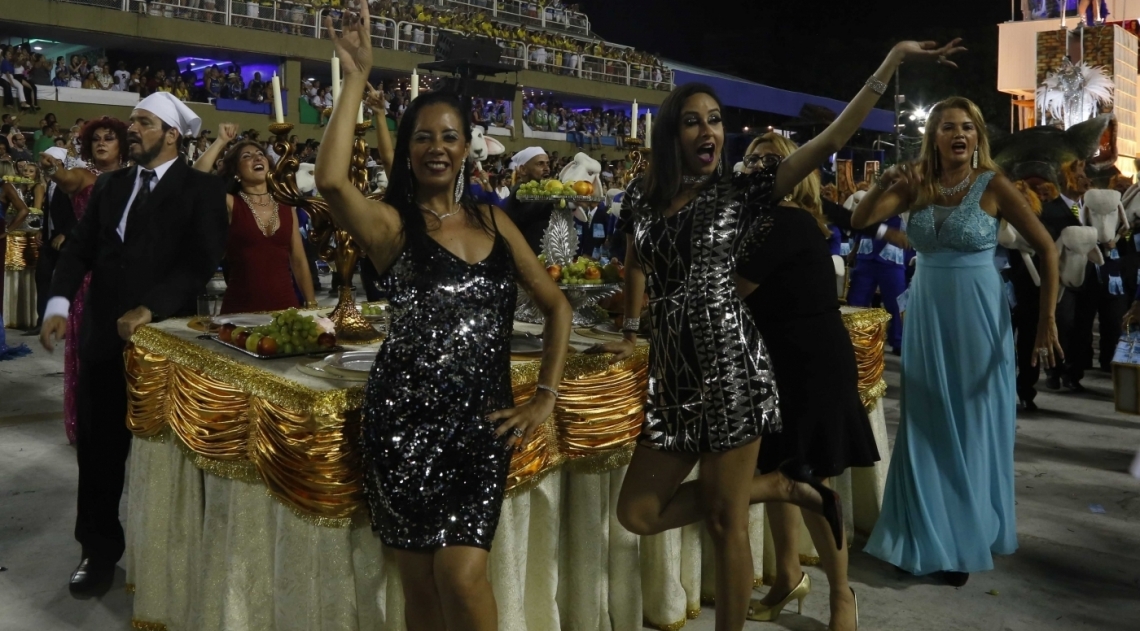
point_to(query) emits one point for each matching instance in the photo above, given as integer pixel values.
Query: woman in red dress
(103, 147)
(264, 254)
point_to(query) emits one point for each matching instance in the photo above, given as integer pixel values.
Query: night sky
(824, 48)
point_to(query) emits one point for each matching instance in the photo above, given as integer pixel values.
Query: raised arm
(1013, 207)
(808, 158)
(891, 195)
(70, 181)
(374, 99)
(205, 162)
(370, 223)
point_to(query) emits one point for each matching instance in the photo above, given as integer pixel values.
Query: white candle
(336, 78)
(360, 113)
(648, 130)
(278, 111)
(633, 125)
(415, 84)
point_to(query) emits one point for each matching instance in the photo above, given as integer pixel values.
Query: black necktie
(135, 212)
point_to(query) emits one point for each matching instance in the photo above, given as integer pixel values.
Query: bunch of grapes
(545, 188)
(582, 271)
(293, 332)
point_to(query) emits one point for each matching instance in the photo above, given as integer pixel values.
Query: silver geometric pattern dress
(711, 386)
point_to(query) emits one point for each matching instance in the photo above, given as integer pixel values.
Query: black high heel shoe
(797, 470)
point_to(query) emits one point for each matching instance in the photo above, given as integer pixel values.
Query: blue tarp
(761, 98)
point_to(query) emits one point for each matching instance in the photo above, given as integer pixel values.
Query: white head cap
(173, 112)
(526, 155)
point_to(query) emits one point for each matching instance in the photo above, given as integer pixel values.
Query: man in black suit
(152, 237)
(1056, 215)
(59, 222)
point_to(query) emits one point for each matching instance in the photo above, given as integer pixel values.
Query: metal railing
(301, 18)
(529, 14)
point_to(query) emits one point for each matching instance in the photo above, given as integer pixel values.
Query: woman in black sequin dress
(439, 422)
(711, 392)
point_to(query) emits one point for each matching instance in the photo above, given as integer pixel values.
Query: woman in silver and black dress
(439, 420)
(711, 392)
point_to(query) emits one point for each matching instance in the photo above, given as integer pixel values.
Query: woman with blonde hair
(949, 504)
(788, 278)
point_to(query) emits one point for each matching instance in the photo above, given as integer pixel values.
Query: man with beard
(151, 238)
(531, 164)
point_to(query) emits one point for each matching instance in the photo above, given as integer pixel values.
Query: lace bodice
(968, 228)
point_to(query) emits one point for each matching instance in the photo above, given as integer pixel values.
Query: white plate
(352, 361)
(523, 344)
(248, 320)
(320, 369)
(607, 327)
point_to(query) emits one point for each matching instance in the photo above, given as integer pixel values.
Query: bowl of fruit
(584, 281)
(287, 334)
(555, 190)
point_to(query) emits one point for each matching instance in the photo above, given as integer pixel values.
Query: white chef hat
(173, 112)
(526, 155)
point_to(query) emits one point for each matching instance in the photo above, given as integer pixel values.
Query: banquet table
(246, 511)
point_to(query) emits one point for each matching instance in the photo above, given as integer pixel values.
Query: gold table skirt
(241, 422)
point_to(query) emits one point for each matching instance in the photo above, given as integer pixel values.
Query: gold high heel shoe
(763, 613)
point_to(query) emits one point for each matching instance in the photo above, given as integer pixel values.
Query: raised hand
(354, 47)
(227, 132)
(374, 99)
(931, 51)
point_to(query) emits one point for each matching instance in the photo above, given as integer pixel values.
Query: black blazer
(1055, 216)
(62, 215)
(172, 248)
(531, 218)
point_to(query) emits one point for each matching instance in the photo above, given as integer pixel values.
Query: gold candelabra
(638, 157)
(282, 181)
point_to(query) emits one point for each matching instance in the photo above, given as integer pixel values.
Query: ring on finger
(517, 432)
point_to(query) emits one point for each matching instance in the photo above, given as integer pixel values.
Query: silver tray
(319, 351)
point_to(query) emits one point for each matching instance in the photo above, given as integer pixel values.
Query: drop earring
(937, 163)
(459, 187)
(974, 162)
(720, 167)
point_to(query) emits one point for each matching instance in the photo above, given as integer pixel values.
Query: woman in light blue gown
(949, 495)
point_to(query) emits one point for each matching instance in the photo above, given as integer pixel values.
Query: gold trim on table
(242, 422)
(239, 421)
(21, 250)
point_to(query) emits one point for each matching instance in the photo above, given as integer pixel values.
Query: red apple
(326, 340)
(238, 339)
(555, 272)
(226, 333)
(267, 346)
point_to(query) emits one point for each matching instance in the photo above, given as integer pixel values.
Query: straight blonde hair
(806, 194)
(930, 164)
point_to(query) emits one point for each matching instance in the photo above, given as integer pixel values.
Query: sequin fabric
(711, 386)
(74, 320)
(967, 228)
(434, 471)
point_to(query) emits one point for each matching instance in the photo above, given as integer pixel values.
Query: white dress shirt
(58, 305)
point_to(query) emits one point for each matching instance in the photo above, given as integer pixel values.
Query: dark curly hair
(230, 161)
(87, 137)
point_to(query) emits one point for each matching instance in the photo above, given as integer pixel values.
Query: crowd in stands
(203, 85)
(584, 127)
(549, 47)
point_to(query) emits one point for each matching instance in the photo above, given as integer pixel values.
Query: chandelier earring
(974, 162)
(720, 167)
(459, 187)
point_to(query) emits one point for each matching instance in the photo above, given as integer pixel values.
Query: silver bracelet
(547, 388)
(633, 325)
(878, 87)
